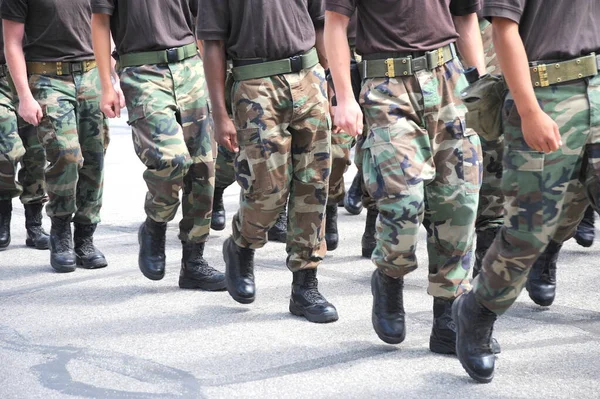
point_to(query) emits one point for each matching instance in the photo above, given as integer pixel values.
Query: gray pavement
(112, 333)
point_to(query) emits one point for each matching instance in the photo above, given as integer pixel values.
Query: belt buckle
(441, 60)
(391, 71)
(76, 67)
(419, 63)
(542, 74)
(296, 63)
(59, 69)
(172, 55)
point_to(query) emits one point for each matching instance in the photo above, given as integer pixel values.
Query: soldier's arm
(109, 104)
(29, 109)
(539, 130)
(469, 43)
(348, 115)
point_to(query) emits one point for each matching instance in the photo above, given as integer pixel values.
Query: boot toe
(390, 331)
(352, 205)
(321, 313)
(217, 221)
(542, 296)
(332, 241)
(243, 292)
(584, 239)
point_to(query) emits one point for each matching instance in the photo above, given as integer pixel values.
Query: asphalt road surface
(112, 333)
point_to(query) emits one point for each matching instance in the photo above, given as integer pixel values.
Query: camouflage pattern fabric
(491, 61)
(173, 137)
(283, 128)
(224, 169)
(545, 193)
(341, 144)
(72, 132)
(33, 165)
(11, 146)
(421, 164)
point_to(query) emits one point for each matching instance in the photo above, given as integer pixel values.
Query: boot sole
(147, 274)
(539, 302)
(472, 374)
(323, 318)
(99, 264)
(230, 290)
(189, 284)
(351, 210)
(584, 243)
(217, 227)
(331, 246)
(63, 268)
(31, 244)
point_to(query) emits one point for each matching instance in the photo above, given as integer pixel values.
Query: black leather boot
(353, 198)
(62, 256)
(239, 271)
(217, 221)
(196, 272)
(485, 239)
(88, 256)
(331, 230)
(474, 329)
(388, 307)
(5, 215)
(443, 333)
(152, 258)
(279, 230)
(585, 231)
(368, 239)
(541, 283)
(36, 236)
(307, 301)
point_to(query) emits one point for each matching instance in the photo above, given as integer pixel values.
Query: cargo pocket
(472, 161)
(383, 165)
(134, 114)
(523, 188)
(484, 100)
(251, 163)
(47, 129)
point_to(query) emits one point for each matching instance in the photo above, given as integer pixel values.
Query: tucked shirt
(269, 29)
(56, 30)
(552, 30)
(148, 25)
(404, 25)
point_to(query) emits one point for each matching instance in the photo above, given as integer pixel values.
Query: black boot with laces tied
(36, 236)
(239, 271)
(307, 301)
(196, 272)
(353, 198)
(152, 240)
(217, 221)
(62, 256)
(541, 282)
(88, 256)
(388, 315)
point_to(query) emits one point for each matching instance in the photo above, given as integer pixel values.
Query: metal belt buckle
(172, 55)
(542, 74)
(441, 60)
(59, 68)
(391, 71)
(76, 67)
(296, 63)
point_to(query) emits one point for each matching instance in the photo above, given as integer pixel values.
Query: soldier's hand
(225, 133)
(110, 103)
(541, 132)
(348, 117)
(31, 111)
(335, 129)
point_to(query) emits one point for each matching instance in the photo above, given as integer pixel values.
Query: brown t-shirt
(404, 25)
(552, 29)
(270, 29)
(56, 30)
(148, 25)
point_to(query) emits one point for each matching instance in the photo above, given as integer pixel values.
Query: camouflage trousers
(224, 169)
(283, 128)
(546, 194)
(422, 165)
(73, 132)
(173, 137)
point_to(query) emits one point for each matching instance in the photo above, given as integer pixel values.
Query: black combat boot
(443, 333)
(5, 215)
(36, 236)
(331, 230)
(585, 231)
(388, 307)
(239, 271)
(88, 256)
(152, 258)
(217, 221)
(485, 239)
(279, 230)
(62, 257)
(195, 271)
(541, 283)
(353, 198)
(368, 238)
(474, 329)
(307, 301)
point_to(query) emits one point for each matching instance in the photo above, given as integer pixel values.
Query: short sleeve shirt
(404, 25)
(269, 29)
(56, 30)
(552, 30)
(148, 25)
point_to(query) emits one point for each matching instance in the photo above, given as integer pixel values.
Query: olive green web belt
(543, 75)
(168, 56)
(245, 69)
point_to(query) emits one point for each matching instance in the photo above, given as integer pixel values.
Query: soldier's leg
(340, 160)
(11, 152)
(58, 134)
(159, 143)
(368, 241)
(31, 176)
(92, 127)
(199, 182)
(224, 177)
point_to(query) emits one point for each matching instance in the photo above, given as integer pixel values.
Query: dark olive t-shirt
(552, 29)
(404, 25)
(271, 29)
(352, 26)
(56, 30)
(148, 25)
